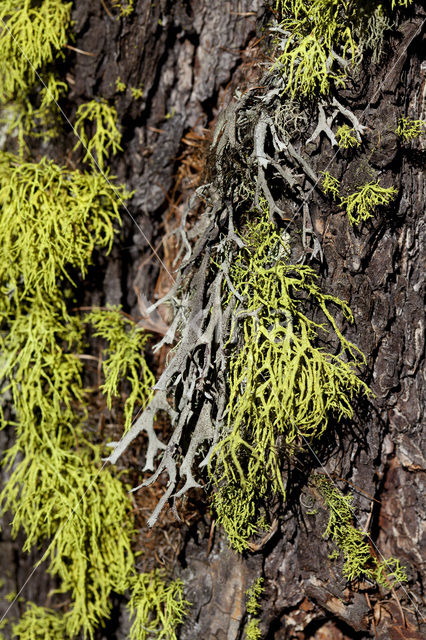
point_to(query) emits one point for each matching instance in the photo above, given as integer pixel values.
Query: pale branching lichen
(31, 35)
(157, 607)
(96, 127)
(267, 417)
(330, 185)
(347, 137)
(124, 358)
(361, 204)
(409, 129)
(359, 560)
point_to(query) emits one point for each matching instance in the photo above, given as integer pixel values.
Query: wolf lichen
(359, 561)
(39, 623)
(103, 138)
(254, 594)
(157, 607)
(313, 37)
(409, 129)
(124, 360)
(267, 417)
(331, 185)
(318, 41)
(347, 137)
(52, 220)
(31, 35)
(126, 8)
(361, 204)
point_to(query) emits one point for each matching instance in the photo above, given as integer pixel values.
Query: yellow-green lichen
(137, 92)
(126, 8)
(157, 607)
(52, 219)
(359, 560)
(283, 387)
(317, 37)
(31, 35)
(409, 129)
(330, 184)
(96, 127)
(254, 594)
(34, 115)
(361, 204)
(346, 137)
(124, 358)
(39, 623)
(317, 42)
(120, 86)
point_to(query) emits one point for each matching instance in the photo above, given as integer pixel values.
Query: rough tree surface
(189, 57)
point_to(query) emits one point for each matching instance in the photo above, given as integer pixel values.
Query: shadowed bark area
(187, 57)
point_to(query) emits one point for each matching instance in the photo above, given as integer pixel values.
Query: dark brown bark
(184, 54)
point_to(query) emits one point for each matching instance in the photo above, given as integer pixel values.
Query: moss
(104, 138)
(34, 34)
(157, 607)
(266, 418)
(359, 561)
(346, 137)
(409, 129)
(361, 204)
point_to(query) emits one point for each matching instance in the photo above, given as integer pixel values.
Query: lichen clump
(52, 220)
(359, 561)
(360, 204)
(156, 606)
(283, 387)
(96, 127)
(31, 35)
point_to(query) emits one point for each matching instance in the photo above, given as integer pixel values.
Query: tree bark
(188, 57)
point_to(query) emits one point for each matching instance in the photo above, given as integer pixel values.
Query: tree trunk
(189, 57)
